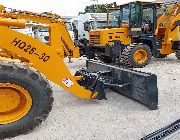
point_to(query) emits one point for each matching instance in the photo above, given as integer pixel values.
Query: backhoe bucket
(139, 86)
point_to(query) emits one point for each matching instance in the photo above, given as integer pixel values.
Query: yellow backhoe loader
(25, 63)
(138, 34)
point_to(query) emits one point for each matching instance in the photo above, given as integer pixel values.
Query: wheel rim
(15, 103)
(140, 56)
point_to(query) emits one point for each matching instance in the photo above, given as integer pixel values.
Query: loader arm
(167, 16)
(165, 27)
(44, 58)
(59, 36)
(25, 94)
(48, 59)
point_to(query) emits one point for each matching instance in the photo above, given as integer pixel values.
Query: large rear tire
(25, 99)
(136, 56)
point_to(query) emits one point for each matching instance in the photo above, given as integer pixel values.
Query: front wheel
(25, 99)
(136, 56)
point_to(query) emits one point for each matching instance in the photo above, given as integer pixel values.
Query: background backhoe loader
(140, 34)
(25, 63)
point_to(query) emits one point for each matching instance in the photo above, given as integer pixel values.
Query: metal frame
(139, 86)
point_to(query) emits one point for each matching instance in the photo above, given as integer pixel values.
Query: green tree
(96, 8)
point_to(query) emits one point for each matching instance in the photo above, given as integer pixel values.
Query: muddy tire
(39, 91)
(136, 55)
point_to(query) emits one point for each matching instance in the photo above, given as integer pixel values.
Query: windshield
(147, 15)
(114, 18)
(69, 26)
(125, 15)
(43, 29)
(135, 15)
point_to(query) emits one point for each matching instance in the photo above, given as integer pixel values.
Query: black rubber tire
(38, 88)
(178, 54)
(127, 57)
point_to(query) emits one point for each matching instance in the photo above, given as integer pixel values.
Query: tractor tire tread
(40, 113)
(127, 52)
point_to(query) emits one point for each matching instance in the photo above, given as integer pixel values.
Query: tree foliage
(96, 8)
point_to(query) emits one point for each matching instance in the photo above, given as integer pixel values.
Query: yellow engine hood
(102, 37)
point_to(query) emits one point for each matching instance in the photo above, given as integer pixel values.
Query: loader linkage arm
(49, 60)
(167, 21)
(59, 36)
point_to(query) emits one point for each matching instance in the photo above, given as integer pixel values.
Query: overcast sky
(62, 7)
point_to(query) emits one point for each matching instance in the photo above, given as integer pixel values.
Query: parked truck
(27, 30)
(42, 33)
(95, 20)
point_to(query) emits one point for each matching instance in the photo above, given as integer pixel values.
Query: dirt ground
(118, 118)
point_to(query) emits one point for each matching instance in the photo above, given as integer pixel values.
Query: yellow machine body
(12, 22)
(166, 31)
(103, 37)
(25, 62)
(48, 59)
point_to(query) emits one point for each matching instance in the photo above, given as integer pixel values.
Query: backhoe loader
(139, 36)
(25, 63)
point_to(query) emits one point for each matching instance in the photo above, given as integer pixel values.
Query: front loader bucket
(139, 86)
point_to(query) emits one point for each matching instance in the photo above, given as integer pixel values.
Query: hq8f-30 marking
(29, 49)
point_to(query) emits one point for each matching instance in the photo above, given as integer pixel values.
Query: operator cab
(140, 17)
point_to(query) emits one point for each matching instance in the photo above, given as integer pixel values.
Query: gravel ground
(118, 118)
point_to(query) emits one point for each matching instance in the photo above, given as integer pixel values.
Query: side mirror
(87, 26)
